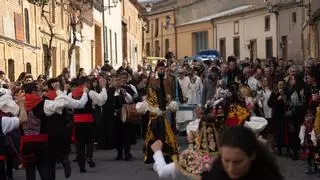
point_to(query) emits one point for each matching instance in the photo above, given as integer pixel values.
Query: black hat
(160, 64)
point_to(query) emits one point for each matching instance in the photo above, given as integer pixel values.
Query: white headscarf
(256, 124)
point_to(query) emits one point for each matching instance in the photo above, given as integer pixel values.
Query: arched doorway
(28, 68)
(11, 70)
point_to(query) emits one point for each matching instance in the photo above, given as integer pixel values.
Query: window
(124, 41)
(26, 23)
(222, 49)
(236, 27)
(156, 33)
(63, 59)
(166, 45)
(294, 17)
(148, 26)
(267, 23)
(98, 45)
(200, 41)
(284, 46)
(53, 11)
(116, 47)
(11, 70)
(18, 24)
(110, 40)
(148, 49)
(236, 46)
(157, 48)
(105, 36)
(45, 48)
(54, 61)
(77, 50)
(269, 48)
(28, 68)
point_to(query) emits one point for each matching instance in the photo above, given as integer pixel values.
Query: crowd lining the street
(242, 111)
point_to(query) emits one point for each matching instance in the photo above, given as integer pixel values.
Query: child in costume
(308, 141)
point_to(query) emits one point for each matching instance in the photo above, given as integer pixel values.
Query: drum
(129, 113)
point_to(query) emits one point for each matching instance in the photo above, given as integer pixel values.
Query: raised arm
(11, 123)
(99, 98)
(63, 101)
(163, 169)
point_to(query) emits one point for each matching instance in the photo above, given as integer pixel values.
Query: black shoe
(128, 158)
(118, 158)
(67, 168)
(91, 163)
(279, 151)
(83, 170)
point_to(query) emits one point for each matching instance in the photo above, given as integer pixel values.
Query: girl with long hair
(243, 157)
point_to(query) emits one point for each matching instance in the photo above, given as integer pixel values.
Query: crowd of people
(276, 99)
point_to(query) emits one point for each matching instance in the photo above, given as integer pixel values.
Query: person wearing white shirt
(7, 124)
(184, 82)
(198, 86)
(43, 116)
(117, 134)
(84, 126)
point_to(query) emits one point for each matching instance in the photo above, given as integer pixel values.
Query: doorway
(222, 47)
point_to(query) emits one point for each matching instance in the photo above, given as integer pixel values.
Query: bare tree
(76, 8)
(43, 4)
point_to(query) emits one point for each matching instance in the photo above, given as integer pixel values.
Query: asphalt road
(109, 169)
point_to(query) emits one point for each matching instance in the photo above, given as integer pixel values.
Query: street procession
(159, 89)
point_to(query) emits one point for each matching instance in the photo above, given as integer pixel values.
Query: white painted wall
(97, 15)
(251, 26)
(293, 32)
(113, 20)
(85, 47)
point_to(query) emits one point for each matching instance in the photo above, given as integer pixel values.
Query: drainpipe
(175, 32)
(278, 33)
(104, 39)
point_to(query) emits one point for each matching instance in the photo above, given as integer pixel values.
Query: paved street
(108, 168)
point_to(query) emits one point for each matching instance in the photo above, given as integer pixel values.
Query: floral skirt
(192, 162)
(165, 134)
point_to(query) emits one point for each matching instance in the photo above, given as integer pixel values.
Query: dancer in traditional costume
(7, 124)
(308, 141)
(161, 91)
(116, 130)
(34, 142)
(197, 158)
(237, 112)
(58, 133)
(84, 122)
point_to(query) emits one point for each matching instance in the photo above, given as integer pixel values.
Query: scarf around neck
(51, 95)
(32, 100)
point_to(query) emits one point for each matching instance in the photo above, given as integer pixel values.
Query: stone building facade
(20, 42)
(132, 32)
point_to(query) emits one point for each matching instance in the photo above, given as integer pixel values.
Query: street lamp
(271, 7)
(114, 2)
(148, 8)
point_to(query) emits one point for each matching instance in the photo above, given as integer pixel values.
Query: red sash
(32, 138)
(83, 118)
(2, 158)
